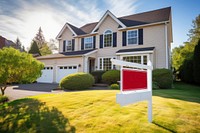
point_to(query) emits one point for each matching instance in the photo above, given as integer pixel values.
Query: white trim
(62, 30)
(111, 39)
(166, 46)
(131, 53)
(104, 16)
(90, 53)
(92, 43)
(138, 26)
(111, 57)
(127, 37)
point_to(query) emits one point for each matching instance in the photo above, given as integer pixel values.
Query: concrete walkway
(24, 90)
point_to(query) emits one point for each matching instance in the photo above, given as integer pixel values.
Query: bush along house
(134, 38)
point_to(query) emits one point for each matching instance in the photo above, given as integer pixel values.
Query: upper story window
(68, 45)
(88, 42)
(108, 38)
(132, 37)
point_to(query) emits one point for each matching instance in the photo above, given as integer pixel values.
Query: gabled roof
(140, 19)
(67, 54)
(108, 13)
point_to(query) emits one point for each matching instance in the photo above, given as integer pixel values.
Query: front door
(91, 65)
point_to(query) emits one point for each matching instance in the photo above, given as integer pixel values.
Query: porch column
(86, 65)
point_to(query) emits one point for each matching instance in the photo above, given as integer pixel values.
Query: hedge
(111, 76)
(98, 75)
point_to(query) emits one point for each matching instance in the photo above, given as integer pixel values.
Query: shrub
(111, 76)
(187, 71)
(77, 81)
(114, 87)
(97, 75)
(196, 64)
(3, 99)
(163, 78)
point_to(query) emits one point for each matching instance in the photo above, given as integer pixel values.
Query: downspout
(166, 43)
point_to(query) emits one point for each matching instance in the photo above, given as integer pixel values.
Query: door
(63, 71)
(47, 75)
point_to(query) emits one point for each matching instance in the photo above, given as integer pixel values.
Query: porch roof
(135, 50)
(67, 54)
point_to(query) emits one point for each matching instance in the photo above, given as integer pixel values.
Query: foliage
(17, 67)
(98, 75)
(77, 81)
(111, 76)
(39, 38)
(3, 99)
(196, 64)
(186, 71)
(163, 78)
(194, 33)
(97, 111)
(52, 44)
(34, 48)
(114, 87)
(45, 50)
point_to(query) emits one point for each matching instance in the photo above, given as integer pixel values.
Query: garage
(63, 71)
(47, 75)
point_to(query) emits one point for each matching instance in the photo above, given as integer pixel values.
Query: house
(135, 38)
(6, 43)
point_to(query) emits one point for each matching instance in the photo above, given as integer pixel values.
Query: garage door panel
(47, 75)
(63, 71)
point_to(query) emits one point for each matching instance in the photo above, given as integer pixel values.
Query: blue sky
(20, 18)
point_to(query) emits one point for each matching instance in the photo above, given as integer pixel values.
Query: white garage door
(47, 75)
(63, 71)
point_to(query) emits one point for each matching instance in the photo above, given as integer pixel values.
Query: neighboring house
(6, 43)
(135, 38)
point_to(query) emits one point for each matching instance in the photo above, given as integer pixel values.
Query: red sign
(134, 79)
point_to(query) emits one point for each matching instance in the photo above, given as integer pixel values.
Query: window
(68, 45)
(108, 38)
(105, 64)
(132, 37)
(141, 59)
(88, 42)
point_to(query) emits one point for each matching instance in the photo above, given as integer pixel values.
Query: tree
(34, 48)
(41, 43)
(17, 67)
(45, 50)
(52, 44)
(18, 44)
(196, 63)
(194, 33)
(39, 38)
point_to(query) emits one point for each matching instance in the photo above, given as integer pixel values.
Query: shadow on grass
(31, 115)
(181, 91)
(164, 127)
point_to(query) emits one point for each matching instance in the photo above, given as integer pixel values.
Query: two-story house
(135, 38)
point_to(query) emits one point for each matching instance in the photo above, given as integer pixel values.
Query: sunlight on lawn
(97, 111)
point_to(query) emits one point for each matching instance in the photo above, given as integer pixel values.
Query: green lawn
(174, 110)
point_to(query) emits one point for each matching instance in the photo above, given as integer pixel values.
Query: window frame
(101, 60)
(66, 45)
(104, 38)
(132, 37)
(142, 57)
(88, 43)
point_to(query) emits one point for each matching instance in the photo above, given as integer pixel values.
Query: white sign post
(133, 95)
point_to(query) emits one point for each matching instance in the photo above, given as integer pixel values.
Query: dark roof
(135, 50)
(149, 17)
(66, 54)
(159, 15)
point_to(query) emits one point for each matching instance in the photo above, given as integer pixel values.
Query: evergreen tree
(18, 44)
(196, 63)
(34, 48)
(39, 38)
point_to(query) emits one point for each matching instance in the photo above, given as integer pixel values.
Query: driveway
(24, 90)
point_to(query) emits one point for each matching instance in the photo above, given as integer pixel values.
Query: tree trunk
(3, 88)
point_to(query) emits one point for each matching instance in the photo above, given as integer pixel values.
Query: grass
(174, 110)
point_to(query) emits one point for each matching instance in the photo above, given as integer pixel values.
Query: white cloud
(25, 21)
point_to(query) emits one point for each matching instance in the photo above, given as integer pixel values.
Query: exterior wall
(63, 61)
(67, 35)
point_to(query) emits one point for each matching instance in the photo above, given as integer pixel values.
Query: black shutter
(94, 42)
(73, 43)
(114, 39)
(64, 44)
(82, 43)
(124, 38)
(101, 41)
(140, 37)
